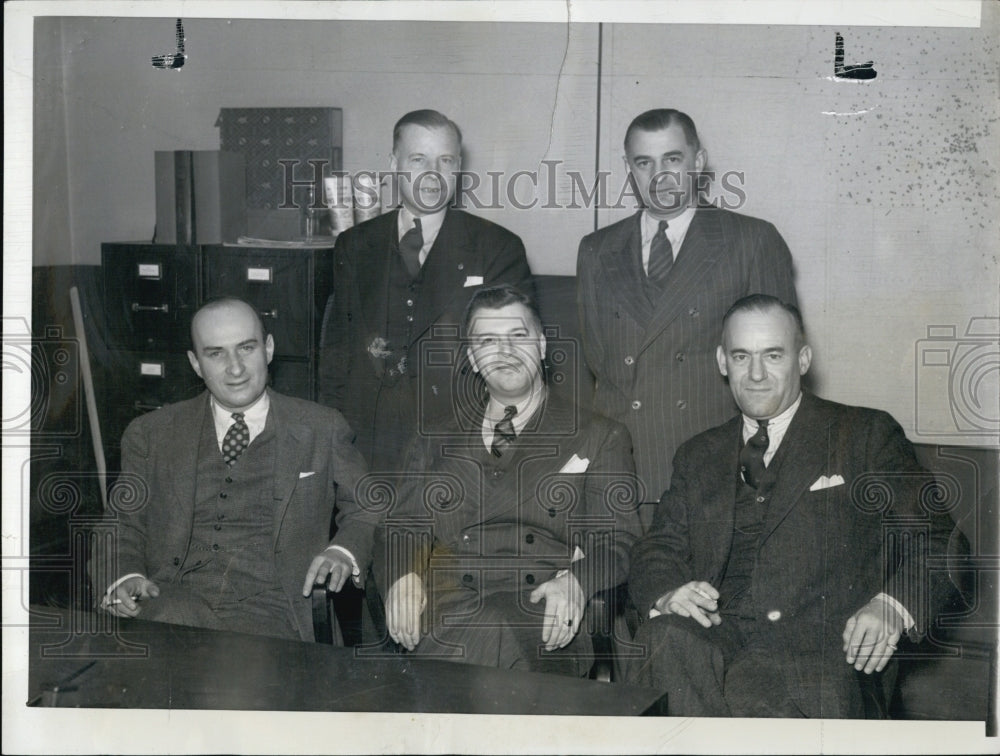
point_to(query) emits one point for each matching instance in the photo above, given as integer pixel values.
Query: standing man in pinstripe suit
(652, 291)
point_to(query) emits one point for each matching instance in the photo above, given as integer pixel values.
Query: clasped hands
(564, 605)
(870, 635)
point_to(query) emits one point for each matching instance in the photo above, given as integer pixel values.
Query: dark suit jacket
(823, 554)
(517, 515)
(654, 363)
(154, 499)
(350, 379)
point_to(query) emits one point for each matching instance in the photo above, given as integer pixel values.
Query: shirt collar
(255, 416)
(526, 410)
(429, 224)
(676, 227)
(776, 427)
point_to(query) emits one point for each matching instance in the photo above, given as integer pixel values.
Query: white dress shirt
(677, 229)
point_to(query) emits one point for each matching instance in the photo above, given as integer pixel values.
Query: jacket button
(629, 360)
(760, 499)
(693, 312)
(217, 526)
(221, 516)
(466, 578)
(215, 547)
(465, 537)
(636, 404)
(774, 615)
(409, 318)
(679, 356)
(497, 473)
(177, 561)
(229, 479)
(529, 579)
(223, 495)
(529, 538)
(681, 404)
(409, 303)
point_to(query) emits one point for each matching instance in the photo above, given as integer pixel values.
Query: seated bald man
(224, 505)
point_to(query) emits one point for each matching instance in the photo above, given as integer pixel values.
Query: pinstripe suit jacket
(654, 362)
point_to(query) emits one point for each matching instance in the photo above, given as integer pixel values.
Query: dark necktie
(236, 440)
(410, 246)
(661, 256)
(752, 455)
(503, 432)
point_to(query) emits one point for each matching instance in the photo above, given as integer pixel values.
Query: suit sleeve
(508, 262)
(661, 559)
(404, 540)
(128, 505)
(356, 517)
(611, 488)
(771, 268)
(335, 353)
(915, 503)
(589, 329)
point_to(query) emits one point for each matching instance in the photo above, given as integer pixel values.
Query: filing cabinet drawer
(277, 282)
(150, 291)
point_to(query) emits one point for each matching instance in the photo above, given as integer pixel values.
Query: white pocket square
(824, 482)
(473, 281)
(576, 465)
(305, 474)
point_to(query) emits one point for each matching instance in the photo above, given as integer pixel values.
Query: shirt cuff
(654, 612)
(908, 621)
(355, 570)
(114, 585)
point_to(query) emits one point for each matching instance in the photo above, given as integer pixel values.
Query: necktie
(752, 456)
(236, 440)
(410, 246)
(503, 431)
(661, 255)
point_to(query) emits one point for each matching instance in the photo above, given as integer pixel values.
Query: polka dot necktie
(752, 455)
(661, 256)
(236, 440)
(503, 432)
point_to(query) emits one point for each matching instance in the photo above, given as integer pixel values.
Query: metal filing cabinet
(150, 293)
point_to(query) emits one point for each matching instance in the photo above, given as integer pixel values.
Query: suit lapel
(372, 269)
(294, 441)
(804, 455)
(721, 494)
(697, 259)
(183, 457)
(621, 258)
(449, 262)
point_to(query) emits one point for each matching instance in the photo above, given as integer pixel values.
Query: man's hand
(697, 599)
(123, 600)
(564, 604)
(332, 565)
(871, 635)
(403, 607)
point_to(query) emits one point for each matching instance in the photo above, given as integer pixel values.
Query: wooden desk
(150, 665)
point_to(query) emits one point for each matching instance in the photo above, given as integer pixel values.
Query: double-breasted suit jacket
(473, 525)
(316, 469)
(850, 514)
(381, 387)
(654, 361)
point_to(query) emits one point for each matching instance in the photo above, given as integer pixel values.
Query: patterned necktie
(503, 431)
(410, 246)
(752, 456)
(661, 256)
(237, 439)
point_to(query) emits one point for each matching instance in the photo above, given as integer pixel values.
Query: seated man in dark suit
(786, 556)
(523, 500)
(224, 504)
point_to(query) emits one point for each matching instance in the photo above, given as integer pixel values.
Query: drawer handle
(136, 307)
(269, 313)
(142, 406)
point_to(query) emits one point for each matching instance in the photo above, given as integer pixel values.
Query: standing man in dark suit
(394, 278)
(790, 553)
(225, 501)
(508, 523)
(652, 290)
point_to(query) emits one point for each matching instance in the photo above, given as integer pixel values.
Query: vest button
(774, 615)
(223, 495)
(215, 547)
(529, 579)
(465, 537)
(497, 473)
(221, 516)
(636, 404)
(217, 526)
(409, 318)
(552, 512)
(530, 538)
(466, 578)
(629, 360)
(229, 479)
(760, 499)
(409, 303)
(177, 561)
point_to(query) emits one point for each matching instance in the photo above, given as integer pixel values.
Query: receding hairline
(223, 303)
(767, 308)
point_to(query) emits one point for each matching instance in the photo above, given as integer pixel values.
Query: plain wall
(885, 190)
